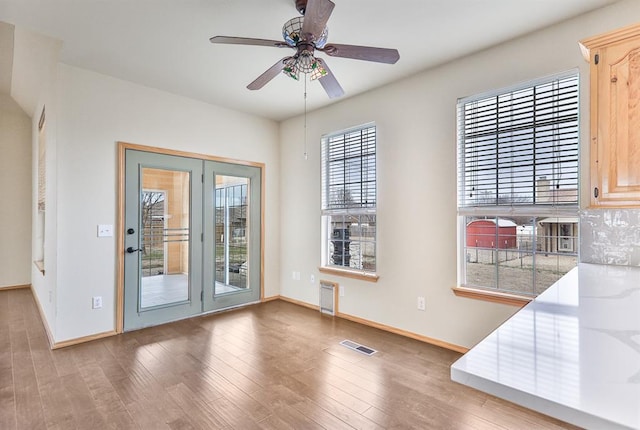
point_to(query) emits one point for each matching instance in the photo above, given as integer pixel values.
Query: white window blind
(349, 169)
(42, 151)
(520, 147)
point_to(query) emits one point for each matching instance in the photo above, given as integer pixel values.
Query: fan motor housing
(301, 6)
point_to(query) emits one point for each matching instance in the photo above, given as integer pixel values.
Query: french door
(232, 250)
(192, 237)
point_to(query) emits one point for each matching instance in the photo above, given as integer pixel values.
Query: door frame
(120, 225)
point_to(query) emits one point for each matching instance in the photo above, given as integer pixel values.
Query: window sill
(492, 296)
(364, 276)
(40, 265)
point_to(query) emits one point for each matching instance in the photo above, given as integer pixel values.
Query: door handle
(130, 250)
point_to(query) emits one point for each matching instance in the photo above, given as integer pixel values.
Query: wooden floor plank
(197, 409)
(28, 402)
(320, 416)
(82, 403)
(235, 395)
(270, 366)
(146, 416)
(233, 414)
(105, 397)
(7, 387)
(8, 419)
(58, 410)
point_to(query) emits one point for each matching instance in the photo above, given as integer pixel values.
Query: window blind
(349, 169)
(42, 152)
(520, 147)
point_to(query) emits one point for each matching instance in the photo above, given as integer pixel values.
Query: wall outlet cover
(96, 302)
(105, 230)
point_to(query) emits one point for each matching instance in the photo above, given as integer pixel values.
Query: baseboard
(47, 330)
(299, 303)
(405, 333)
(79, 340)
(390, 329)
(57, 345)
(83, 339)
(15, 287)
(394, 330)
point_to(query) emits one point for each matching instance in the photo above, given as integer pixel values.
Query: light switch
(105, 230)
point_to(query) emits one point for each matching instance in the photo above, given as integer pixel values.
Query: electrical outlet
(96, 303)
(421, 304)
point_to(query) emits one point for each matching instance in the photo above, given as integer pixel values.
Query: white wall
(416, 124)
(15, 185)
(33, 85)
(96, 111)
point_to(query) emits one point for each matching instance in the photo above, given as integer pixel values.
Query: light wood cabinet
(615, 117)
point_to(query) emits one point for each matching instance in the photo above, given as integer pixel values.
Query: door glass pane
(231, 234)
(164, 237)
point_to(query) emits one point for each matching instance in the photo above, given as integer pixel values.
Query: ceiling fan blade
(330, 83)
(268, 75)
(316, 16)
(229, 40)
(366, 53)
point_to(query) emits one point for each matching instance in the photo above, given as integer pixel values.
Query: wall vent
(327, 297)
(357, 347)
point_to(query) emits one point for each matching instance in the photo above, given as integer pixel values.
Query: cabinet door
(616, 167)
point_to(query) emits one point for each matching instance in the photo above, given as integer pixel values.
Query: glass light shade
(292, 33)
(292, 30)
(291, 69)
(317, 71)
(304, 63)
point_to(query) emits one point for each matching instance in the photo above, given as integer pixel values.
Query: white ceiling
(164, 44)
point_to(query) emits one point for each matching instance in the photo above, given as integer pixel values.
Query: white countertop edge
(536, 403)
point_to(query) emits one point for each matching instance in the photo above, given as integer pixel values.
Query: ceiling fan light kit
(292, 33)
(305, 63)
(305, 35)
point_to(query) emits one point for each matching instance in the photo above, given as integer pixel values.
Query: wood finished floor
(270, 366)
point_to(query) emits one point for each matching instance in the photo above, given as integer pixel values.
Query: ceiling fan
(306, 35)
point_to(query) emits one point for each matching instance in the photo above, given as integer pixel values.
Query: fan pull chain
(306, 156)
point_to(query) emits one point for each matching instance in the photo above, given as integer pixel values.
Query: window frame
(41, 203)
(536, 210)
(361, 209)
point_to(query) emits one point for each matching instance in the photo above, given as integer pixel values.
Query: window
(518, 185)
(232, 244)
(42, 193)
(349, 200)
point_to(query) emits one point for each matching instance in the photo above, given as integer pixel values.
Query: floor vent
(357, 347)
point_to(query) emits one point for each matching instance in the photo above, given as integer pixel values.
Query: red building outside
(483, 233)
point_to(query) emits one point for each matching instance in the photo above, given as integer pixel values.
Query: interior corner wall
(15, 194)
(417, 221)
(94, 113)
